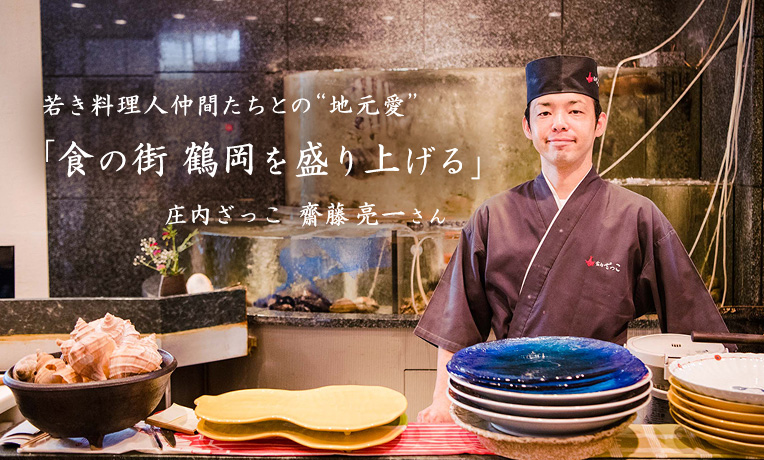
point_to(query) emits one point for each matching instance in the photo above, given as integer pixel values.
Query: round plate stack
(549, 386)
(719, 397)
(338, 417)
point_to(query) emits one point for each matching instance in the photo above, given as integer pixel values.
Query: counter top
(6, 452)
(744, 319)
(257, 316)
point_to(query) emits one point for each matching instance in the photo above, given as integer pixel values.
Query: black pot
(91, 409)
(172, 285)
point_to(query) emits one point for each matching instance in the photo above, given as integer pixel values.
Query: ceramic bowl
(735, 377)
(721, 414)
(545, 427)
(573, 399)
(535, 448)
(534, 410)
(732, 445)
(710, 401)
(535, 360)
(678, 406)
(722, 433)
(91, 409)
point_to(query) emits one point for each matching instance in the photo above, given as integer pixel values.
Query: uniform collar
(545, 196)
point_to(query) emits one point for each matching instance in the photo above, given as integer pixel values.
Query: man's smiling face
(563, 127)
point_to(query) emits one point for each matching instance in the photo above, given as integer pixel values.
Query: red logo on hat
(590, 262)
(590, 78)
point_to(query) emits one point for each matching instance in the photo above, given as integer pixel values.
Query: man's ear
(527, 128)
(601, 125)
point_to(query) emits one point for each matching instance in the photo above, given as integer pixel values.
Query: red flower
(165, 233)
(160, 266)
(153, 244)
(157, 251)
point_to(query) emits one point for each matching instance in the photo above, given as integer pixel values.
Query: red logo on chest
(606, 265)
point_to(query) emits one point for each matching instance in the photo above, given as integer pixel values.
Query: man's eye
(543, 114)
(575, 112)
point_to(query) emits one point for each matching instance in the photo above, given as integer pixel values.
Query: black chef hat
(562, 74)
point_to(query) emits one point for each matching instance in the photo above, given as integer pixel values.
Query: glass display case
(351, 268)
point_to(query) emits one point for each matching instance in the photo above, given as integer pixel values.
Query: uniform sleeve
(458, 314)
(670, 283)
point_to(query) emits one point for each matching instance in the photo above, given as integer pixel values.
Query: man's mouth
(560, 140)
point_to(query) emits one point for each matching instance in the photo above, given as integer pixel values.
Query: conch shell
(117, 328)
(25, 368)
(135, 357)
(54, 370)
(88, 350)
(45, 374)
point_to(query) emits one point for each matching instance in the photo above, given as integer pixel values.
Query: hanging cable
(676, 102)
(716, 35)
(730, 160)
(633, 58)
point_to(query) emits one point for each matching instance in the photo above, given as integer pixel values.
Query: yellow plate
(678, 406)
(343, 408)
(333, 440)
(720, 413)
(726, 434)
(727, 444)
(717, 403)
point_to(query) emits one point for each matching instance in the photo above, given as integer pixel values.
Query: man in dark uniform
(567, 253)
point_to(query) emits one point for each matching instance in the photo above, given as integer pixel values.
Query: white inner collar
(560, 202)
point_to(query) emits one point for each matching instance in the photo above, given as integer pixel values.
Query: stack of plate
(549, 386)
(340, 417)
(720, 398)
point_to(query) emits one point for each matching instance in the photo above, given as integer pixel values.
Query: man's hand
(438, 410)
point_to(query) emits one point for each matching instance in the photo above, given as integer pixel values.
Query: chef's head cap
(562, 74)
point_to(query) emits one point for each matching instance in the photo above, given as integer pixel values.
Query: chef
(566, 253)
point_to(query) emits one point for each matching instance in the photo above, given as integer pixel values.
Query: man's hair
(597, 111)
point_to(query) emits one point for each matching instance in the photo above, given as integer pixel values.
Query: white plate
(534, 426)
(573, 399)
(527, 410)
(735, 377)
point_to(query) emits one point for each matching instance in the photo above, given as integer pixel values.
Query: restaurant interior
(278, 301)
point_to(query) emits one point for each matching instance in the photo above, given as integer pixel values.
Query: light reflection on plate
(536, 360)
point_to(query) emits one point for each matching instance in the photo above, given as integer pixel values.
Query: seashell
(65, 346)
(343, 305)
(66, 375)
(130, 334)
(111, 325)
(366, 305)
(25, 368)
(42, 358)
(150, 341)
(46, 372)
(198, 283)
(90, 352)
(79, 326)
(134, 358)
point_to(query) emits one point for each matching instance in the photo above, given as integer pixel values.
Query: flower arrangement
(164, 260)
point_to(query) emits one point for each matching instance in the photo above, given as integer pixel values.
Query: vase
(172, 285)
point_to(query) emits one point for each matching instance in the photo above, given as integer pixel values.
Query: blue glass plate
(534, 360)
(627, 375)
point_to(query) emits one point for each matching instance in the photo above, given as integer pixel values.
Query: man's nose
(559, 122)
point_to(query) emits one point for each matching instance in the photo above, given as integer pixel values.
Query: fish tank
(387, 268)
